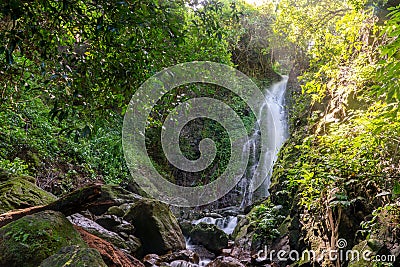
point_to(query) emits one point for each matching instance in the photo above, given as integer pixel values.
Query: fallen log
(69, 204)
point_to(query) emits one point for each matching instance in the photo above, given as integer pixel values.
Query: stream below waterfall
(275, 101)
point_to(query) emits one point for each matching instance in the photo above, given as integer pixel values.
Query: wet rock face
(156, 227)
(33, 238)
(17, 192)
(74, 256)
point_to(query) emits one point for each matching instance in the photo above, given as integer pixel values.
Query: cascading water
(226, 224)
(275, 101)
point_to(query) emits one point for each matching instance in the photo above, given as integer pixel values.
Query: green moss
(156, 227)
(284, 227)
(361, 262)
(209, 236)
(33, 238)
(20, 192)
(74, 256)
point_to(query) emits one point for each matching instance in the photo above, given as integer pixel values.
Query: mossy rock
(116, 211)
(368, 247)
(17, 192)
(209, 236)
(241, 228)
(186, 227)
(156, 227)
(33, 238)
(75, 256)
(284, 227)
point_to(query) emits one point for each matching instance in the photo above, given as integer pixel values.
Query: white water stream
(275, 101)
(226, 224)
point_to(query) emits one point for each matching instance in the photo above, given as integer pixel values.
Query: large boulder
(156, 227)
(33, 238)
(74, 256)
(17, 192)
(209, 236)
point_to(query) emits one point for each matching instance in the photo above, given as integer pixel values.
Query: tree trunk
(72, 203)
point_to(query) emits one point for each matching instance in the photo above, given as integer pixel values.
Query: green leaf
(396, 189)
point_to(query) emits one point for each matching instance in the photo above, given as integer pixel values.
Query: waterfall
(226, 224)
(275, 101)
(276, 115)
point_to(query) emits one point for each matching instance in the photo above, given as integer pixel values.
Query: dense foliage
(342, 157)
(69, 68)
(353, 129)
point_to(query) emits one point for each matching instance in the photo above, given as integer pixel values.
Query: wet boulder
(156, 227)
(209, 236)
